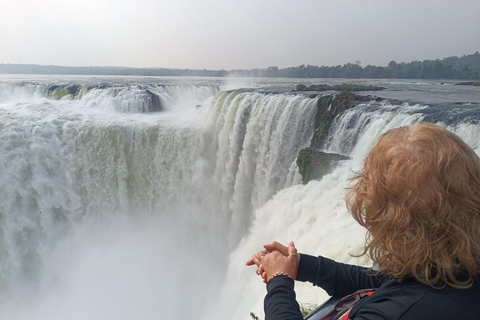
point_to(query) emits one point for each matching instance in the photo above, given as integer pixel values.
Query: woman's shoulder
(449, 303)
(410, 299)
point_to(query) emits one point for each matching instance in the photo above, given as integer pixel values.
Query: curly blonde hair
(418, 196)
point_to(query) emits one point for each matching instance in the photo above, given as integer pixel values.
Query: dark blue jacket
(405, 300)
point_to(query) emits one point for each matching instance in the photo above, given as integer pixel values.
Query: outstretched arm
(336, 278)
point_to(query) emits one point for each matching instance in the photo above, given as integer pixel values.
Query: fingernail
(292, 244)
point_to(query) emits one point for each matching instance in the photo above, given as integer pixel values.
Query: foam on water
(134, 211)
(107, 214)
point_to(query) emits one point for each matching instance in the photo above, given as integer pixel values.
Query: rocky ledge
(312, 163)
(475, 83)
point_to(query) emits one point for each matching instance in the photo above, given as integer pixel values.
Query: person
(418, 196)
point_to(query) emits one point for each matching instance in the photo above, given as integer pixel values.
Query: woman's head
(418, 195)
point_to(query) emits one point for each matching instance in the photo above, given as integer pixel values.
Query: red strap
(345, 316)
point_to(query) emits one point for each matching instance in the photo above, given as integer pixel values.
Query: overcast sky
(235, 34)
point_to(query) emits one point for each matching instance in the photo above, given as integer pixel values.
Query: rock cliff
(313, 163)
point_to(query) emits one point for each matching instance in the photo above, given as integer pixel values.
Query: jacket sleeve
(280, 303)
(337, 279)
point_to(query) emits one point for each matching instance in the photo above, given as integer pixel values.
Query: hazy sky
(235, 34)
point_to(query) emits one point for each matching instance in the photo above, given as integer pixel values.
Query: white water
(111, 214)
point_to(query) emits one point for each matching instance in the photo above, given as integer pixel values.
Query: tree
(392, 63)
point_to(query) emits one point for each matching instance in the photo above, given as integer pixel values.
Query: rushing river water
(142, 198)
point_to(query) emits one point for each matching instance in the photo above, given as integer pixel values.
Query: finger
(259, 269)
(292, 251)
(277, 246)
(251, 262)
(262, 254)
(294, 258)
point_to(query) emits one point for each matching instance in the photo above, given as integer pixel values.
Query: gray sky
(235, 34)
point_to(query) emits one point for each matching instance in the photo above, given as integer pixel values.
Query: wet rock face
(329, 107)
(312, 163)
(468, 83)
(153, 102)
(130, 100)
(58, 91)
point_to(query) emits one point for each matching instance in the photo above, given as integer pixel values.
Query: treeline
(108, 71)
(466, 67)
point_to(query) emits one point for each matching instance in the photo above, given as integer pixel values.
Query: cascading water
(315, 215)
(254, 142)
(81, 181)
(111, 211)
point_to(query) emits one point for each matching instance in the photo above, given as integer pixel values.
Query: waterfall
(100, 195)
(254, 138)
(314, 216)
(111, 96)
(112, 210)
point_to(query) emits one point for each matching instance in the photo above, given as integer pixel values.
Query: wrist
(279, 274)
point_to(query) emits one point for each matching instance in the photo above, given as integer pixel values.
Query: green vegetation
(305, 309)
(344, 87)
(303, 162)
(58, 92)
(313, 164)
(9, 68)
(327, 109)
(466, 67)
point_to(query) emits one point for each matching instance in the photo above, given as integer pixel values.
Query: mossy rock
(58, 92)
(315, 87)
(328, 108)
(314, 164)
(303, 162)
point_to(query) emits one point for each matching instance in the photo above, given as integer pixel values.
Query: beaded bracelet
(279, 274)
